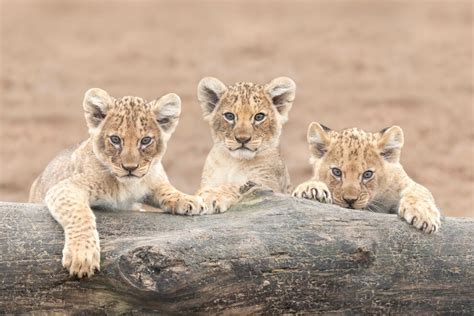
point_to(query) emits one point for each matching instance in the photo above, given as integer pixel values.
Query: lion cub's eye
(164, 121)
(115, 140)
(229, 116)
(259, 117)
(146, 140)
(336, 172)
(367, 174)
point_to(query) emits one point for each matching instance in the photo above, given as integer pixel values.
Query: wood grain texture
(271, 254)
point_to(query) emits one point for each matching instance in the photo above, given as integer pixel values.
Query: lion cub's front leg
(69, 205)
(170, 200)
(418, 208)
(313, 190)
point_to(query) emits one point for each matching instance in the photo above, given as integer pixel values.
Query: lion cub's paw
(422, 214)
(313, 190)
(190, 205)
(217, 203)
(82, 256)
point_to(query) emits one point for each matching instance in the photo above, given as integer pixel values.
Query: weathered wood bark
(272, 254)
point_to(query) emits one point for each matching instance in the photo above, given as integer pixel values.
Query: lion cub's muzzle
(246, 143)
(243, 139)
(132, 171)
(242, 142)
(354, 203)
(130, 168)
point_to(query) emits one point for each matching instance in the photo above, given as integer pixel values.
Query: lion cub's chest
(220, 169)
(126, 195)
(230, 174)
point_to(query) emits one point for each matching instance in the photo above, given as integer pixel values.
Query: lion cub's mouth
(243, 148)
(129, 176)
(243, 152)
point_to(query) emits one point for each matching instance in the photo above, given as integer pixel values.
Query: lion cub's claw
(191, 205)
(220, 205)
(313, 190)
(216, 203)
(423, 215)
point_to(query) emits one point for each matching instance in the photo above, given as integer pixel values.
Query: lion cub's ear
(391, 143)
(210, 91)
(282, 94)
(167, 110)
(318, 140)
(96, 104)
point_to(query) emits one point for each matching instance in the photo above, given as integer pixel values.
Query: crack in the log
(279, 270)
(280, 254)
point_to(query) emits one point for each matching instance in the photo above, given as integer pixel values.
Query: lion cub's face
(246, 118)
(353, 163)
(130, 134)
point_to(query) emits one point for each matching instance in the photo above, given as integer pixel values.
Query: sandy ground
(367, 64)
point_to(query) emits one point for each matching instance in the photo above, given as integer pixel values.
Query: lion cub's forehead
(131, 113)
(354, 145)
(131, 108)
(246, 93)
(131, 104)
(354, 137)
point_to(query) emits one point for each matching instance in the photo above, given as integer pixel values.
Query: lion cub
(118, 166)
(246, 120)
(361, 170)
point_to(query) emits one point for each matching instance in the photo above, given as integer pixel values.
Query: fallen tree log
(270, 254)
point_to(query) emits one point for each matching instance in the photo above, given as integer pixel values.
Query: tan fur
(389, 188)
(121, 176)
(245, 148)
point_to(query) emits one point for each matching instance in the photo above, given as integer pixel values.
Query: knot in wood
(153, 269)
(364, 256)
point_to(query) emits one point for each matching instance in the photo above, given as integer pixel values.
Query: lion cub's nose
(243, 139)
(350, 201)
(130, 167)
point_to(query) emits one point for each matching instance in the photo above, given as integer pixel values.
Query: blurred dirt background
(369, 64)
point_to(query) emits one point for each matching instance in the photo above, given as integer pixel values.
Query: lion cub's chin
(243, 153)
